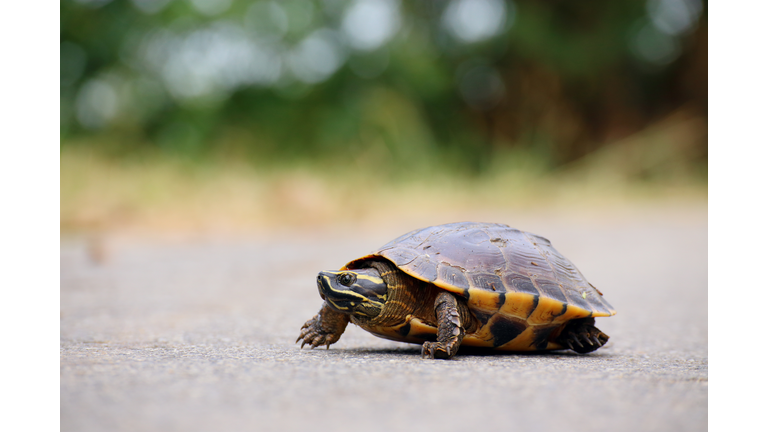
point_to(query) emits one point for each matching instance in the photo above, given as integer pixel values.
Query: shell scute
(425, 266)
(451, 276)
(519, 283)
(551, 290)
(525, 257)
(576, 298)
(402, 256)
(487, 282)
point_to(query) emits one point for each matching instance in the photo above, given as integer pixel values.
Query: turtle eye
(346, 279)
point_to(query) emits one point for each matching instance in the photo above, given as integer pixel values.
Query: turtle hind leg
(582, 336)
(449, 329)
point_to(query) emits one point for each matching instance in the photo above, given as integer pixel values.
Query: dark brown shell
(498, 269)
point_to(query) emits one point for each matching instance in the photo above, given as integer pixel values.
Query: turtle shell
(517, 285)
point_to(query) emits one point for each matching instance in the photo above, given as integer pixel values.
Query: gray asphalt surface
(198, 335)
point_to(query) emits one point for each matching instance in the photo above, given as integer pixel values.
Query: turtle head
(360, 292)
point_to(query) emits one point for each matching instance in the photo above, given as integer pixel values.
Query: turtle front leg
(582, 336)
(324, 328)
(449, 329)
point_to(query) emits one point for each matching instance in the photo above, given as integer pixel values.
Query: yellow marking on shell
(573, 312)
(474, 340)
(420, 327)
(484, 300)
(481, 338)
(596, 313)
(522, 342)
(555, 346)
(547, 309)
(417, 327)
(517, 305)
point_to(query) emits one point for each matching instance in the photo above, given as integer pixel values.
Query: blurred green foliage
(378, 84)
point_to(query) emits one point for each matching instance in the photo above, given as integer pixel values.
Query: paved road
(194, 335)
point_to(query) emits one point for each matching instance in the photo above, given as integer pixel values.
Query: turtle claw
(437, 350)
(594, 339)
(582, 336)
(319, 331)
(428, 350)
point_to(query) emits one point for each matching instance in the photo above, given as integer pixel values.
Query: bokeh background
(222, 115)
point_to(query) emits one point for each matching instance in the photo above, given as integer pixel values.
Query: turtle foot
(437, 350)
(582, 336)
(325, 328)
(313, 334)
(449, 330)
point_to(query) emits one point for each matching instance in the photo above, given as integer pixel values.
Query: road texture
(198, 335)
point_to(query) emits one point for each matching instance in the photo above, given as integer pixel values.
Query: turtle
(474, 284)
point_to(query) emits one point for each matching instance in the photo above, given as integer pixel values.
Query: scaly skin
(325, 328)
(449, 329)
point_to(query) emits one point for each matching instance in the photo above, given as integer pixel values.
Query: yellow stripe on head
(359, 292)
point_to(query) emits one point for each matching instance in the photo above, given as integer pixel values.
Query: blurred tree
(400, 84)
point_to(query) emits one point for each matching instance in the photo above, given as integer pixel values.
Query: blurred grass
(158, 192)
